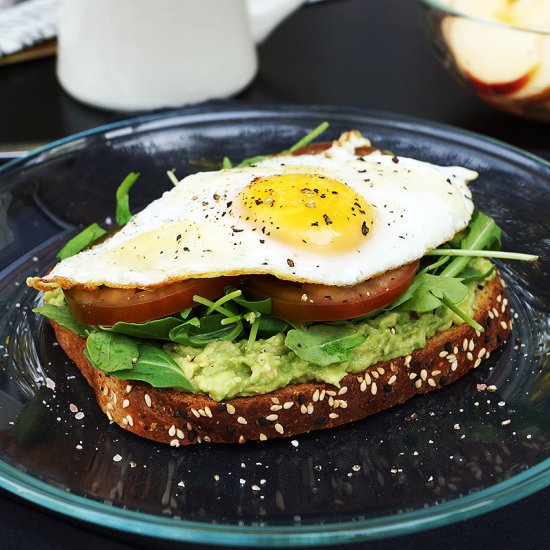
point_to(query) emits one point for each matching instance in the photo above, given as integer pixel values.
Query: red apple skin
(498, 88)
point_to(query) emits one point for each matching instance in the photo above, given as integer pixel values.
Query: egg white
(193, 229)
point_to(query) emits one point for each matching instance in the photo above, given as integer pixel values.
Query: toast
(180, 418)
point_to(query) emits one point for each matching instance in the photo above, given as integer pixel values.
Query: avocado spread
(226, 369)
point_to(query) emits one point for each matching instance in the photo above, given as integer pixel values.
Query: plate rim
(139, 523)
(54, 499)
(217, 108)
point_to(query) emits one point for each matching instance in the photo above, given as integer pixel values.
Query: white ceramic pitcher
(147, 54)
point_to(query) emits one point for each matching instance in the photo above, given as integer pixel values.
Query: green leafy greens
(124, 350)
(94, 231)
(442, 277)
(306, 140)
(172, 176)
(324, 345)
(157, 368)
(483, 234)
(131, 359)
(62, 316)
(158, 329)
(123, 213)
(129, 351)
(226, 319)
(79, 242)
(111, 352)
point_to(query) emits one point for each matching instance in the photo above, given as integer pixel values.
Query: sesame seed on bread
(181, 418)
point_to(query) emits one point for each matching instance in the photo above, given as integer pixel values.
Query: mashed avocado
(224, 369)
(228, 369)
(54, 297)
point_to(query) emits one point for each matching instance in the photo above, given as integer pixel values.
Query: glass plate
(436, 459)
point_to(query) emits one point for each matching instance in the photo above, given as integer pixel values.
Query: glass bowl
(498, 50)
(403, 470)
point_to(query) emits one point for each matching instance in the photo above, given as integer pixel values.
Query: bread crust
(181, 418)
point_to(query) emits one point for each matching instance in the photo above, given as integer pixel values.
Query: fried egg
(332, 218)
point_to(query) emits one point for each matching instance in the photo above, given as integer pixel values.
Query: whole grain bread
(181, 418)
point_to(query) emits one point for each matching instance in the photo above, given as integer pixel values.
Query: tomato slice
(311, 302)
(107, 306)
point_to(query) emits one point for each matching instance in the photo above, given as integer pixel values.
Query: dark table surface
(361, 53)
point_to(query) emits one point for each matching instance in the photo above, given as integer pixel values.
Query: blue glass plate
(403, 470)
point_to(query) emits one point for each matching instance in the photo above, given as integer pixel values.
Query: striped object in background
(26, 24)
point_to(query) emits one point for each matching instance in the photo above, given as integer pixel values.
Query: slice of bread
(181, 418)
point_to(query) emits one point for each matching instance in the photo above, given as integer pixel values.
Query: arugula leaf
(172, 176)
(407, 295)
(462, 314)
(234, 319)
(199, 332)
(433, 266)
(228, 311)
(225, 299)
(472, 275)
(457, 239)
(269, 326)
(79, 242)
(158, 329)
(226, 163)
(186, 312)
(505, 255)
(324, 345)
(261, 306)
(429, 291)
(157, 368)
(306, 140)
(62, 316)
(483, 233)
(253, 332)
(110, 352)
(123, 213)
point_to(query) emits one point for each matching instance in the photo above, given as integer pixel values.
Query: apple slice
(486, 9)
(538, 86)
(529, 14)
(497, 60)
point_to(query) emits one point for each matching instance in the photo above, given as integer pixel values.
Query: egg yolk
(307, 211)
